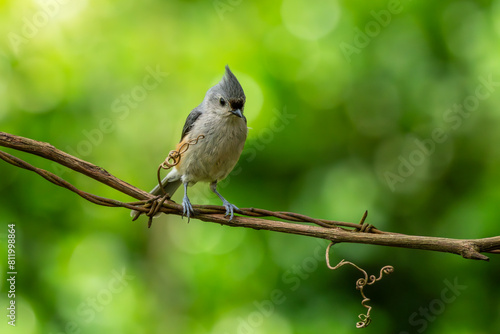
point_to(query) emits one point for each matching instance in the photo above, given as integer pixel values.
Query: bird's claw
(187, 208)
(230, 209)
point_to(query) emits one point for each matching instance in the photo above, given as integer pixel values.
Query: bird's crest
(231, 86)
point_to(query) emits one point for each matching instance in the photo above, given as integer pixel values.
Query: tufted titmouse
(219, 118)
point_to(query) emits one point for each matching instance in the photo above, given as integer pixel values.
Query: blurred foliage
(352, 105)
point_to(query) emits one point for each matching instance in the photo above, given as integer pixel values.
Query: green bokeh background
(339, 94)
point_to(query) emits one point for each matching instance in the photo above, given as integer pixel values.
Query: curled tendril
(360, 283)
(365, 319)
(174, 157)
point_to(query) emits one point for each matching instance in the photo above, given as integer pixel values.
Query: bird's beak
(237, 112)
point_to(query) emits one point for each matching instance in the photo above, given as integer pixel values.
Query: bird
(219, 128)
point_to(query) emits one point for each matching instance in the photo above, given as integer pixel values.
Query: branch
(259, 219)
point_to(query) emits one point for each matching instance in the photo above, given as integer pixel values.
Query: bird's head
(227, 97)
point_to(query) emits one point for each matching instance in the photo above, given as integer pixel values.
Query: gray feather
(231, 86)
(169, 187)
(192, 117)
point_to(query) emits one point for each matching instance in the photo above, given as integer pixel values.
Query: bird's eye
(222, 101)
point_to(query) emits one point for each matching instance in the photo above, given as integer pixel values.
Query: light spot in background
(26, 320)
(97, 285)
(310, 19)
(5, 73)
(495, 15)
(459, 218)
(348, 189)
(434, 96)
(3, 99)
(209, 246)
(463, 23)
(88, 273)
(248, 260)
(306, 253)
(403, 63)
(324, 88)
(255, 320)
(61, 10)
(342, 191)
(401, 164)
(193, 240)
(377, 111)
(288, 57)
(38, 85)
(197, 238)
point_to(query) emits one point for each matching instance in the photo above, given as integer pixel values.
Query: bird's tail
(168, 185)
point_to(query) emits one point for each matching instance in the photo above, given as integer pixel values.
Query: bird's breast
(215, 155)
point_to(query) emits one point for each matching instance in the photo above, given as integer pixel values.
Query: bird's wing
(190, 120)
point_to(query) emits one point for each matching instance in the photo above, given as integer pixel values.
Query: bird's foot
(229, 209)
(187, 208)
